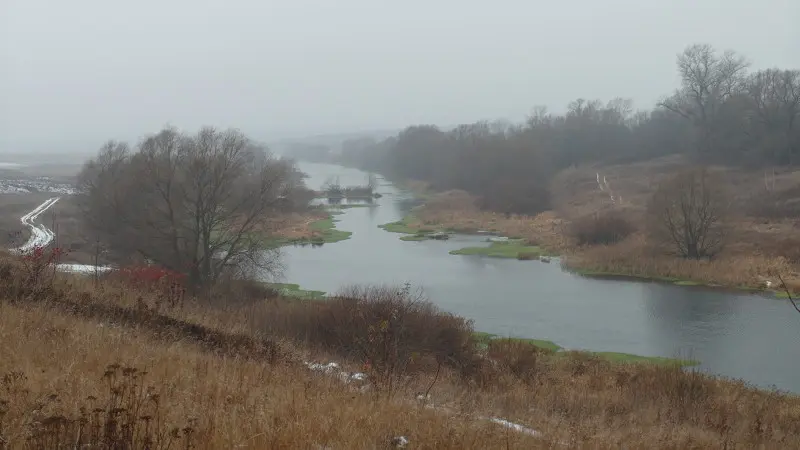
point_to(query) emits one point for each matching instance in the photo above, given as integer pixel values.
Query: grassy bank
(409, 224)
(229, 371)
(483, 339)
(416, 229)
(327, 232)
(291, 290)
(515, 249)
(315, 231)
(744, 265)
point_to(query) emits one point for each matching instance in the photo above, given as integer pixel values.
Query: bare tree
(687, 214)
(193, 204)
(708, 81)
(774, 102)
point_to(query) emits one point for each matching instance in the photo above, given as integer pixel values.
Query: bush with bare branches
(390, 330)
(687, 214)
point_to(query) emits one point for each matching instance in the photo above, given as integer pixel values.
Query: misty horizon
(78, 74)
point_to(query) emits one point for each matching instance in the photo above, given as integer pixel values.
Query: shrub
(31, 275)
(601, 228)
(168, 286)
(391, 331)
(241, 291)
(517, 356)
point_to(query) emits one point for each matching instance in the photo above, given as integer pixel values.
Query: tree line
(721, 113)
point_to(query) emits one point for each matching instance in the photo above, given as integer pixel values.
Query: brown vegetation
(758, 247)
(603, 228)
(688, 214)
(99, 364)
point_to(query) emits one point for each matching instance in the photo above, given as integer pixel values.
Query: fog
(73, 74)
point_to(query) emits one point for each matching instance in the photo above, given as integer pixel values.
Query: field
(232, 373)
(762, 240)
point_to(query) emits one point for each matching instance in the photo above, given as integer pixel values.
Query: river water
(736, 335)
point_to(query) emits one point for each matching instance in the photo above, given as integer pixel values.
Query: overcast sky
(80, 71)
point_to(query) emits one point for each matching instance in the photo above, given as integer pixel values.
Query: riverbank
(483, 339)
(315, 227)
(226, 374)
(548, 232)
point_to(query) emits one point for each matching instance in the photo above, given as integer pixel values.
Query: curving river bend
(736, 335)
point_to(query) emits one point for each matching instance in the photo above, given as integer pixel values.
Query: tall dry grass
(635, 257)
(457, 210)
(231, 375)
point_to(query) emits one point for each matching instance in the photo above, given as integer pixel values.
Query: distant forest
(722, 113)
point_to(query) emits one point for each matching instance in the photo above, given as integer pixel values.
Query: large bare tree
(191, 203)
(708, 81)
(687, 214)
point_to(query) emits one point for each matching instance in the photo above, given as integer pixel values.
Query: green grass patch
(293, 291)
(402, 226)
(688, 283)
(510, 249)
(330, 234)
(784, 295)
(545, 345)
(482, 340)
(638, 359)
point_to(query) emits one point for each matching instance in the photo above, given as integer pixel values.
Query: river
(744, 336)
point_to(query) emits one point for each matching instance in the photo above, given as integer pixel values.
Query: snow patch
(514, 426)
(335, 370)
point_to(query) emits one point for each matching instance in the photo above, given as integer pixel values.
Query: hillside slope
(234, 375)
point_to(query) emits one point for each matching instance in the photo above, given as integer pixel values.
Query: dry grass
(228, 403)
(757, 245)
(457, 210)
(228, 374)
(635, 257)
(293, 226)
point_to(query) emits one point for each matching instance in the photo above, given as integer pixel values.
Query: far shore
(544, 234)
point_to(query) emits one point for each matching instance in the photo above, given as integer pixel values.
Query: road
(41, 236)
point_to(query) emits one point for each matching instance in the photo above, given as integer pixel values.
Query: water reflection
(372, 212)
